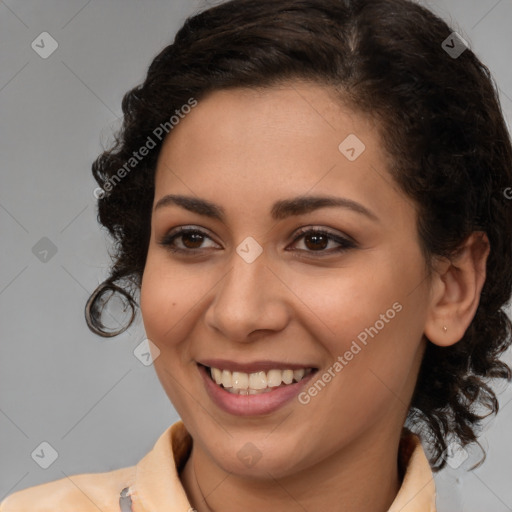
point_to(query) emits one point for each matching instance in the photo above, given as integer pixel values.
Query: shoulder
(90, 492)
(77, 493)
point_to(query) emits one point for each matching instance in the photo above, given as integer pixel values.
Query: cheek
(166, 299)
(166, 305)
(370, 325)
(355, 304)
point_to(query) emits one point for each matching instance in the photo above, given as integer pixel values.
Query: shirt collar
(157, 486)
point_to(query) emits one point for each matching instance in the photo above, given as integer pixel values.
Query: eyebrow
(280, 209)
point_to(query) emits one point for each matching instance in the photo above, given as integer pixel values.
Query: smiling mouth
(241, 383)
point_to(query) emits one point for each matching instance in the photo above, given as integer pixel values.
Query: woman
(314, 216)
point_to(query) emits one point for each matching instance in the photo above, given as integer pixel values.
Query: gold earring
(445, 328)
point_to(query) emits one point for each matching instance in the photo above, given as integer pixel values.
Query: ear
(455, 291)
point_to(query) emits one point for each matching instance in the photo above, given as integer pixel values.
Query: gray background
(90, 398)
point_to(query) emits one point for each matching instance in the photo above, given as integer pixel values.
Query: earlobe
(455, 291)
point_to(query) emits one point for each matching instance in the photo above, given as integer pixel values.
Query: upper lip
(252, 367)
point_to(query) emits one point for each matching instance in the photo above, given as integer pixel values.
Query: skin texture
(244, 149)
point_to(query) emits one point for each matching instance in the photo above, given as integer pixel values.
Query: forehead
(250, 145)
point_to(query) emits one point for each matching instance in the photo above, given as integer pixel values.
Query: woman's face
(254, 290)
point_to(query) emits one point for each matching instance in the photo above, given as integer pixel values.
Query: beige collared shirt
(154, 484)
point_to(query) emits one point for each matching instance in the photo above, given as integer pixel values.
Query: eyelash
(345, 244)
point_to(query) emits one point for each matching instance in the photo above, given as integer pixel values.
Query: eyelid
(174, 233)
(334, 235)
(345, 242)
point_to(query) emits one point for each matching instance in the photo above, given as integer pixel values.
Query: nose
(250, 298)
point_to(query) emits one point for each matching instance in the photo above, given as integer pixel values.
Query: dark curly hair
(439, 117)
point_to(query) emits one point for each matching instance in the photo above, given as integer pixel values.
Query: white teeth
(240, 380)
(226, 379)
(258, 380)
(217, 375)
(288, 376)
(255, 383)
(298, 374)
(274, 378)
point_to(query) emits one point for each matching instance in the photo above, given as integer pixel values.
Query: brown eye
(317, 241)
(185, 240)
(192, 240)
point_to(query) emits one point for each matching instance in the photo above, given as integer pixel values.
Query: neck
(362, 477)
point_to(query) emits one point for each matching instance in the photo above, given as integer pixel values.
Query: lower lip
(251, 405)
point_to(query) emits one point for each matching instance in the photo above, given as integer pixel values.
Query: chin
(244, 456)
